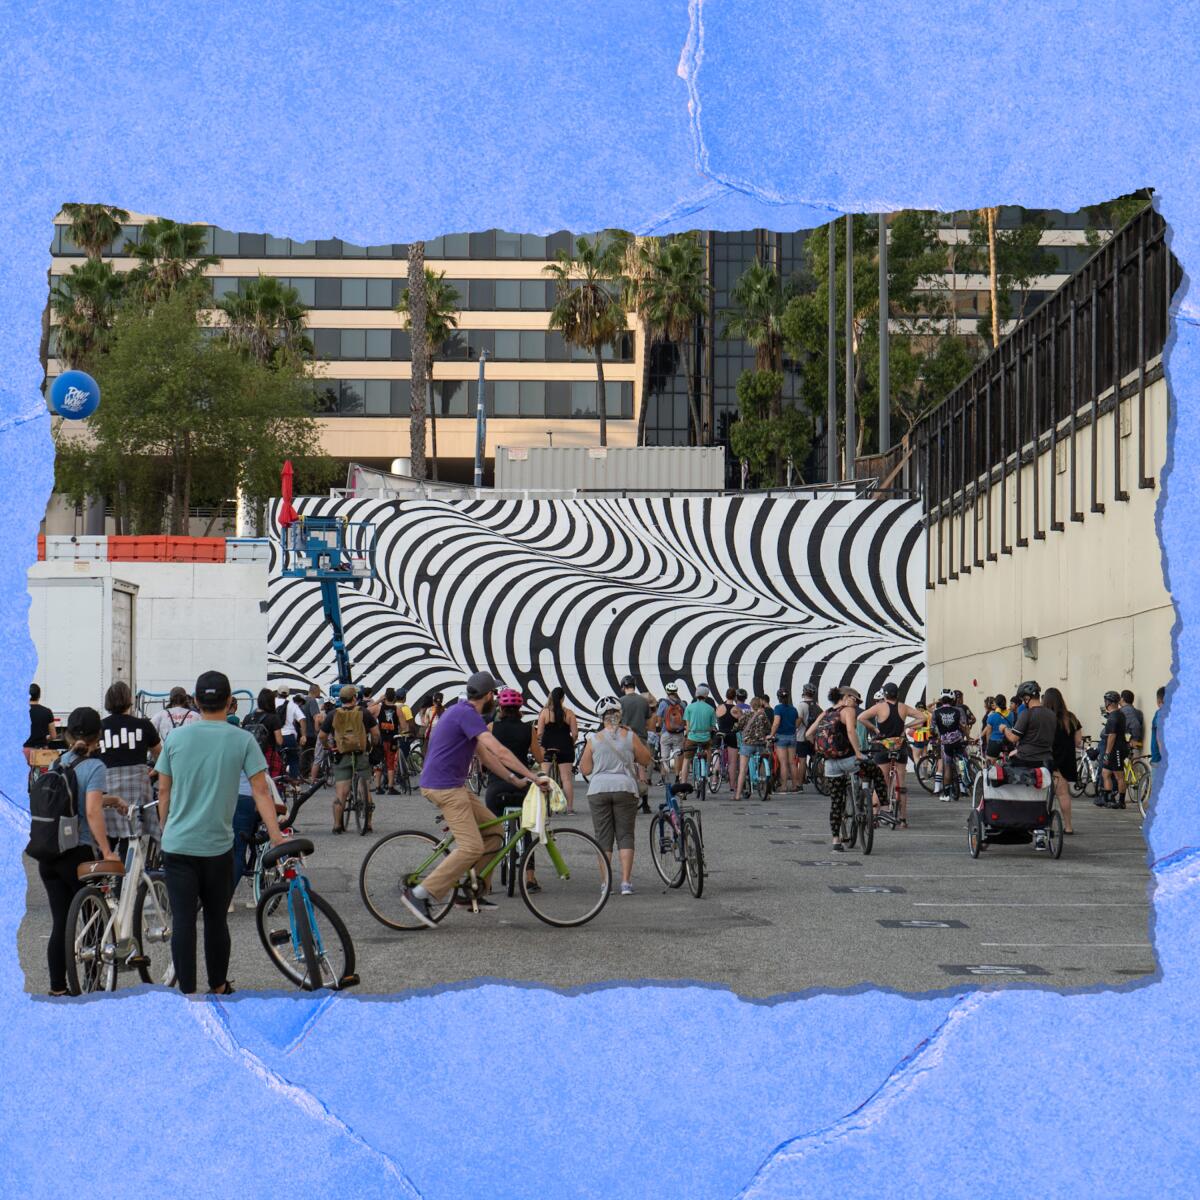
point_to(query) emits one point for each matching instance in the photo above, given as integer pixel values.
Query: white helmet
(672, 688)
(607, 705)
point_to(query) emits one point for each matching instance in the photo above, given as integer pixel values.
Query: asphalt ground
(780, 912)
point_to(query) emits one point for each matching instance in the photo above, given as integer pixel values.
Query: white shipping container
(83, 628)
(632, 469)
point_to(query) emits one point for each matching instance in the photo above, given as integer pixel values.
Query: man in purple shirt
(460, 734)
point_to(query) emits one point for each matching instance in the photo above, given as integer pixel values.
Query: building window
(379, 293)
(456, 245)
(506, 398)
(277, 247)
(306, 290)
(508, 245)
(354, 344)
(379, 343)
(377, 398)
(533, 293)
(533, 398)
(533, 345)
(354, 293)
(532, 246)
(508, 345)
(508, 295)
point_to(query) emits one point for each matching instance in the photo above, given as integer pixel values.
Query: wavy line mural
(766, 592)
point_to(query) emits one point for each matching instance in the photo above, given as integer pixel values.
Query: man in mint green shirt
(198, 777)
(700, 719)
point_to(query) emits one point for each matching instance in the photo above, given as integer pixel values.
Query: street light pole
(850, 346)
(831, 448)
(480, 423)
(885, 382)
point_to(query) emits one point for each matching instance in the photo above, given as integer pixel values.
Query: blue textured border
(380, 122)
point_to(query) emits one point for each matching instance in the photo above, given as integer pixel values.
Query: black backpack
(255, 726)
(53, 813)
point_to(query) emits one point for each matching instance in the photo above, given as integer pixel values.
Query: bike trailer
(1015, 797)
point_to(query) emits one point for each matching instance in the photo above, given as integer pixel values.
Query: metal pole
(850, 347)
(831, 447)
(480, 423)
(885, 382)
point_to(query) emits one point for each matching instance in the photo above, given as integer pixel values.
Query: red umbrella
(287, 514)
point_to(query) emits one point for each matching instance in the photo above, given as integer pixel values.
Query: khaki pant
(472, 847)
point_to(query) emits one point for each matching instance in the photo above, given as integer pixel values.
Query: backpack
(830, 739)
(254, 725)
(387, 718)
(673, 721)
(349, 731)
(54, 813)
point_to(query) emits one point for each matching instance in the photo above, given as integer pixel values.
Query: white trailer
(83, 630)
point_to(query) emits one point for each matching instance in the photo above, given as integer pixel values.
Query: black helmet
(1030, 689)
(890, 691)
(628, 681)
(742, 694)
(1112, 697)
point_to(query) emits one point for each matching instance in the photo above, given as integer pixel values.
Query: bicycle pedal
(138, 960)
(279, 937)
(348, 981)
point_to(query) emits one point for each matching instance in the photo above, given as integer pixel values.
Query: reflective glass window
(533, 293)
(457, 245)
(354, 293)
(533, 246)
(351, 401)
(433, 249)
(506, 398)
(252, 245)
(508, 294)
(379, 343)
(381, 251)
(583, 398)
(482, 295)
(508, 345)
(349, 250)
(508, 245)
(377, 397)
(278, 247)
(303, 249)
(306, 290)
(224, 286)
(354, 343)
(379, 293)
(225, 244)
(533, 345)
(533, 398)
(401, 397)
(327, 343)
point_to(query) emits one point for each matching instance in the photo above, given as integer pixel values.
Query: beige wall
(1093, 594)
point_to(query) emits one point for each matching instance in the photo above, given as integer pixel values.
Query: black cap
(213, 690)
(1112, 698)
(628, 681)
(891, 691)
(480, 684)
(84, 723)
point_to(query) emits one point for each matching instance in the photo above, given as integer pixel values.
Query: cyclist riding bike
(348, 731)
(672, 726)
(889, 721)
(700, 719)
(950, 729)
(461, 735)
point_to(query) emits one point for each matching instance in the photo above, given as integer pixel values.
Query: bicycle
(316, 960)
(1087, 771)
(858, 818)
(890, 815)
(816, 772)
(1138, 780)
(699, 770)
(122, 911)
(565, 899)
(760, 775)
(359, 800)
(716, 769)
(677, 841)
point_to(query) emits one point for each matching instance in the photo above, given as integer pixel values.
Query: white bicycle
(117, 919)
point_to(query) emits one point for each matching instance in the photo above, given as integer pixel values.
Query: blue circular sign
(75, 395)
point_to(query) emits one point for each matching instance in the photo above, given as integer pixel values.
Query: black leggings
(61, 883)
(839, 791)
(205, 883)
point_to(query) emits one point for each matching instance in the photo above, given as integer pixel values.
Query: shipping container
(83, 629)
(630, 469)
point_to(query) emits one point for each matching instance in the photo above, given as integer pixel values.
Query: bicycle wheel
(974, 834)
(321, 955)
(664, 850)
(1141, 784)
(762, 777)
(714, 772)
(818, 775)
(397, 861)
(926, 769)
(578, 883)
(1054, 835)
(865, 817)
(151, 922)
(362, 801)
(402, 778)
(87, 925)
(265, 879)
(693, 857)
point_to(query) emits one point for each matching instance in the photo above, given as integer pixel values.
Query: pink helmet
(508, 698)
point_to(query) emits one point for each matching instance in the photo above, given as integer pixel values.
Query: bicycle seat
(98, 868)
(681, 789)
(288, 849)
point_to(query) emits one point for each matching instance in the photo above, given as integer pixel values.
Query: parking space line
(1028, 904)
(1071, 945)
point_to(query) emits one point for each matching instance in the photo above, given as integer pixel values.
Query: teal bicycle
(760, 770)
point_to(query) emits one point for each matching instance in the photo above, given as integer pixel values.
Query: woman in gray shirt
(610, 762)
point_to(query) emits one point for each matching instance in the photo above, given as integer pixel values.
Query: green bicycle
(573, 892)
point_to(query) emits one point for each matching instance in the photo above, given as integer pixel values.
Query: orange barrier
(41, 547)
(166, 549)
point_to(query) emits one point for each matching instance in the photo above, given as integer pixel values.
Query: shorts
(785, 740)
(882, 755)
(834, 767)
(690, 747)
(614, 816)
(670, 745)
(748, 749)
(1114, 761)
(345, 765)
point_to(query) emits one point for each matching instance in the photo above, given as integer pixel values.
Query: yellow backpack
(349, 730)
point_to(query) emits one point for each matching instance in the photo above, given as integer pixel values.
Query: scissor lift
(332, 551)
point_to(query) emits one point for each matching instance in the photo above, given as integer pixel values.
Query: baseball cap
(702, 689)
(84, 722)
(212, 689)
(348, 693)
(480, 684)
(402, 693)
(890, 691)
(628, 681)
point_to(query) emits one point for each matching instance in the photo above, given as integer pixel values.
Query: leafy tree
(441, 319)
(418, 315)
(639, 263)
(764, 437)
(188, 415)
(1011, 258)
(587, 308)
(85, 302)
(267, 321)
(168, 255)
(94, 227)
(1105, 219)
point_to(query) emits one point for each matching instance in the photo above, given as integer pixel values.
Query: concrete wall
(1093, 595)
(188, 618)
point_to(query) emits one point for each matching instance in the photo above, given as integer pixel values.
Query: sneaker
(483, 902)
(1099, 802)
(392, 791)
(418, 907)
(1039, 841)
(839, 848)
(627, 889)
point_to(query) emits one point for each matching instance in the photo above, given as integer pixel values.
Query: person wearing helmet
(950, 729)
(967, 714)
(635, 715)
(610, 761)
(783, 730)
(519, 738)
(700, 720)
(1113, 751)
(1033, 731)
(806, 712)
(672, 725)
(888, 721)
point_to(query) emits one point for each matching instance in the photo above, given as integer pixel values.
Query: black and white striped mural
(759, 591)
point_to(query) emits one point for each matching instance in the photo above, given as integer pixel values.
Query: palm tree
(418, 317)
(94, 227)
(639, 262)
(990, 217)
(441, 319)
(267, 321)
(169, 253)
(85, 303)
(759, 301)
(676, 291)
(587, 310)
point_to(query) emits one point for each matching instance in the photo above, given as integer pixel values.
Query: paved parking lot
(780, 912)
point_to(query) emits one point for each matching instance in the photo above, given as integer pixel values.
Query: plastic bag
(533, 812)
(556, 798)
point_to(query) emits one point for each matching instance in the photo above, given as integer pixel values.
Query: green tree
(94, 227)
(587, 309)
(85, 301)
(1105, 219)
(639, 264)
(267, 321)
(1012, 259)
(766, 436)
(168, 255)
(418, 314)
(441, 320)
(187, 415)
